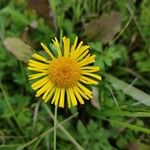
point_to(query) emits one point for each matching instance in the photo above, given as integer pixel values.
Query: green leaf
(17, 17)
(82, 130)
(107, 56)
(24, 117)
(130, 126)
(144, 18)
(142, 61)
(118, 112)
(96, 46)
(19, 78)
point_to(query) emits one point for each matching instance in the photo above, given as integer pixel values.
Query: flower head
(65, 76)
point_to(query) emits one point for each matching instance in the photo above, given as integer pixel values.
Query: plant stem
(68, 135)
(55, 128)
(46, 132)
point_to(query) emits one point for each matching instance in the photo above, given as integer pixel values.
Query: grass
(118, 115)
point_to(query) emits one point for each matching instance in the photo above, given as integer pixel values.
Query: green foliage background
(118, 117)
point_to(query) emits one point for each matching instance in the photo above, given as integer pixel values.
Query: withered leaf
(95, 99)
(18, 48)
(44, 10)
(103, 29)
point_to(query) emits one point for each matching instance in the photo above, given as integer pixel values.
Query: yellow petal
(56, 96)
(62, 97)
(50, 94)
(46, 93)
(92, 75)
(57, 46)
(73, 53)
(83, 55)
(36, 64)
(47, 51)
(75, 44)
(82, 93)
(72, 97)
(36, 69)
(78, 95)
(48, 85)
(90, 69)
(39, 57)
(66, 42)
(87, 80)
(68, 99)
(40, 83)
(87, 60)
(37, 75)
(87, 91)
(79, 46)
(78, 52)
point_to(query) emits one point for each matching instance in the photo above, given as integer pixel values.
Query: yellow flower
(65, 76)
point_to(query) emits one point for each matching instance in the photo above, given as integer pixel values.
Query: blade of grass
(55, 128)
(36, 144)
(113, 96)
(132, 72)
(118, 112)
(122, 31)
(137, 24)
(70, 137)
(35, 114)
(129, 126)
(6, 97)
(9, 146)
(9, 121)
(46, 132)
(140, 96)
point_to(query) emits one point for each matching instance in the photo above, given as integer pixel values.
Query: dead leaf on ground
(137, 146)
(94, 100)
(18, 48)
(44, 10)
(103, 29)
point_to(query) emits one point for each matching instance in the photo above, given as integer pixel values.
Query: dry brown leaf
(104, 28)
(44, 10)
(94, 99)
(18, 48)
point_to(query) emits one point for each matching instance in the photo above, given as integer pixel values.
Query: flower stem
(68, 135)
(55, 128)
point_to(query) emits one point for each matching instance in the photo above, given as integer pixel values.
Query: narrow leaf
(135, 93)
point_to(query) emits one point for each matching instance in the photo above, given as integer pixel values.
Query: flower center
(64, 72)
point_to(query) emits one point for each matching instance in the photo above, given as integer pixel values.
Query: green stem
(46, 132)
(137, 24)
(55, 128)
(70, 137)
(122, 31)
